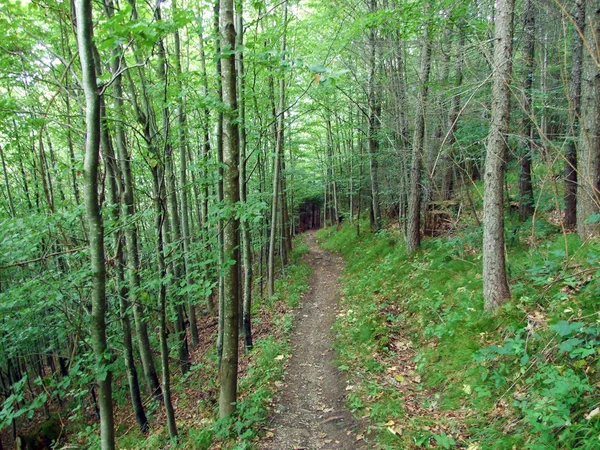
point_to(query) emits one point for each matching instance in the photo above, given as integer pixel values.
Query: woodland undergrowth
(429, 368)
(260, 375)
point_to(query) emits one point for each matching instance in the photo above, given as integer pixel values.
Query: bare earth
(310, 412)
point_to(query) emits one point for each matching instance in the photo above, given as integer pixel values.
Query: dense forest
(164, 166)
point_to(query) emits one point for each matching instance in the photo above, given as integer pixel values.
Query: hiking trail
(310, 412)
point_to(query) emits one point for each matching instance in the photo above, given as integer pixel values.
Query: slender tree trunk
(413, 236)
(220, 183)
(245, 226)
(160, 222)
(526, 202)
(83, 10)
(495, 284)
(126, 193)
(374, 125)
(588, 163)
(205, 153)
(146, 120)
(570, 220)
(185, 224)
(173, 213)
(277, 168)
(11, 205)
(448, 158)
(229, 361)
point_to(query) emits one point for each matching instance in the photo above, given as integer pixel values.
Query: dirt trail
(310, 412)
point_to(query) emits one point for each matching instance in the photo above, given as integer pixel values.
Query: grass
(432, 369)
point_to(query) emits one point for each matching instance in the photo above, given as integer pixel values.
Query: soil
(310, 412)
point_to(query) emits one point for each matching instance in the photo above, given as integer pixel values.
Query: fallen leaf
(593, 413)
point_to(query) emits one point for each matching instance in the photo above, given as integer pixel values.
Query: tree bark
(413, 235)
(588, 164)
(526, 201)
(95, 223)
(146, 120)
(185, 224)
(495, 284)
(277, 168)
(570, 219)
(245, 225)
(229, 361)
(374, 125)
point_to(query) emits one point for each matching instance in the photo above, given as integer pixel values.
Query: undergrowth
(263, 367)
(432, 369)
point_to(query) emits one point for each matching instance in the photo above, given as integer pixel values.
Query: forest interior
(299, 224)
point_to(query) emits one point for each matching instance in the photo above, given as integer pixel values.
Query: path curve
(310, 412)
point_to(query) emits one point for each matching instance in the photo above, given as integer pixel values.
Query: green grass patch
(523, 377)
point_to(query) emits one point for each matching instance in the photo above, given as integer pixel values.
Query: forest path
(310, 412)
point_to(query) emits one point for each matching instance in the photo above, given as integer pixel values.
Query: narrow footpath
(310, 412)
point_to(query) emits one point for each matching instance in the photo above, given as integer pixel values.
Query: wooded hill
(158, 158)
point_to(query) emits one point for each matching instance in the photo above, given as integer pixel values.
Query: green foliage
(530, 369)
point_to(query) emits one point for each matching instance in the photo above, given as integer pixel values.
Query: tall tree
(570, 220)
(588, 161)
(83, 10)
(231, 240)
(495, 284)
(279, 143)
(526, 152)
(374, 122)
(413, 235)
(244, 223)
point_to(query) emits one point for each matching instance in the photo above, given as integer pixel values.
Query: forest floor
(310, 411)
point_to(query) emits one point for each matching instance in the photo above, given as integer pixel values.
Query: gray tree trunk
(83, 10)
(495, 284)
(413, 235)
(588, 163)
(245, 225)
(448, 157)
(570, 220)
(146, 120)
(229, 360)
(277, 170)
(526, 202)
(185, 224)
(173, 212)
(374, 125)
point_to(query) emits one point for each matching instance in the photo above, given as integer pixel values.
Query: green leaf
(565, 328)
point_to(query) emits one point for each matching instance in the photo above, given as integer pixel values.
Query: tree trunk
(570, 220)
(495, 284)
(146, 120)
(173, 213)
(205, 154)
(185, 224)
(83, 10)
(229, 361)
(220, 182)
(588, 162)
(245, 225)
(374, 125)
(160, 222)
(126, 193)
(11, 205)
(413, 235)
(277, 168)
(448, 158)
(526, 201)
